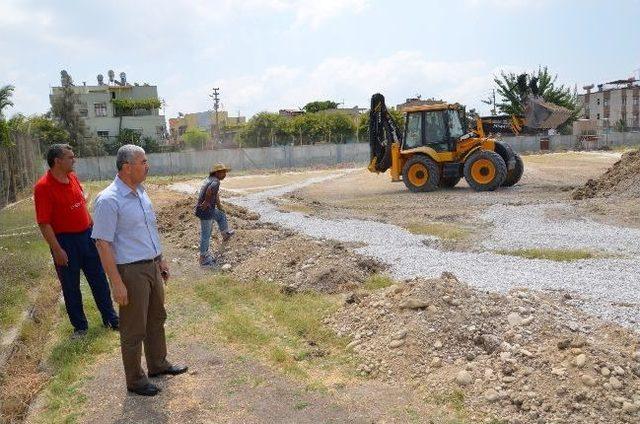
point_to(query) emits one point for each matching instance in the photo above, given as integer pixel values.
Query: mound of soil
(521, 357)
(622, 179)
(267, 252)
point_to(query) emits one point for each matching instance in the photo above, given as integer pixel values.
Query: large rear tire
(485, 170)
(420, 174)
(515, 174)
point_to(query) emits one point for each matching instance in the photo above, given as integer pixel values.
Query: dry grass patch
(558, 255)
(441, 230)
(286, 330)
(295, 207)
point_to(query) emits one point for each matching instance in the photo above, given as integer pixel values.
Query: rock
(560, 372)
(615, 383)
(526, 353)
(226, 267)
(508, 379)
(630, 408)
(635, 369)
(463, 378)
(490, 343)
(617, 370)
(491, 395)
(514, 319)
(636, 356)
(528, 320)
(564, 344)
(399, 335)
(413, 303)
(432, 309)
(605, 371)
(396, 343)
(436, 362)
(580, 360)
(437, 344)
(488, 374)
(588, 380)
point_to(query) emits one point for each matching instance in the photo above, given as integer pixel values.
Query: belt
(145, 261)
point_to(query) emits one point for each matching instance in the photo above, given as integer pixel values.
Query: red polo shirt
(60, 205)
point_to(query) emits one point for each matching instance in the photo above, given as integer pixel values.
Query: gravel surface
(607, 288)
(530, 226)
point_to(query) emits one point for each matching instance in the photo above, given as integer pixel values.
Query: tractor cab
(437, 126)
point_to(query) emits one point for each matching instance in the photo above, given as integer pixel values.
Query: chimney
(588, 88)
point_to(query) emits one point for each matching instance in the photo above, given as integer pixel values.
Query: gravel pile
(516, 357)
(622, 179)
(607, 288)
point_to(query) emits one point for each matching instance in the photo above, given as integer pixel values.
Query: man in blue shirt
(209, 209)
(126, 234)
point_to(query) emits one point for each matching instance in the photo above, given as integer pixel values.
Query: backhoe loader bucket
(539, 114)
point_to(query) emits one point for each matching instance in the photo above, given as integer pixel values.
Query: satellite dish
(111, 75)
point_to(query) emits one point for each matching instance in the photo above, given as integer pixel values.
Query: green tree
(150, 145)
(318, 106)
(195, 138)
(266, 129)
(63, 108)
(6, 93)
(47, 131)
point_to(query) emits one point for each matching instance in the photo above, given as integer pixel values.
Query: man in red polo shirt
(65, 223)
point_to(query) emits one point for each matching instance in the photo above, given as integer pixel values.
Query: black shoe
(172, 370)
(148, 389)
(78, 334)
(115, 326)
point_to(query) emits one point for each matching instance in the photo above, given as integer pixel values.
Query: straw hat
(220, 167)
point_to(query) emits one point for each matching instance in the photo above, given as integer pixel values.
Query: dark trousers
(83, 255)
(142, 322)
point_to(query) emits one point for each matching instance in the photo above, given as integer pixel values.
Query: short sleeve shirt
(126, 219)
(63, 206)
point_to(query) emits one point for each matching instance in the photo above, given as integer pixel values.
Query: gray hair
(126, 154)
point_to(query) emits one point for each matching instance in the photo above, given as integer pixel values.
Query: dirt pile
(521, 357)
(622, 179)
(267, 252)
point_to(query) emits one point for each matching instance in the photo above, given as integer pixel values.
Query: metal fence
(20, 166)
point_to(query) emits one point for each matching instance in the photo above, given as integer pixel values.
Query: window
(635, 101)
(84, 113)
(414, 131)
(100, 109)
(455, 126)
(598, 116)
(605, 102)
(113, 94)
(598, 102)
(434, 127)
(103, 134)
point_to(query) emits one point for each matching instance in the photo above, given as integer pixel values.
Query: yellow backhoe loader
(437, 149)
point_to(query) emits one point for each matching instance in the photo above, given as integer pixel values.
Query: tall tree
(64, 110)
(6, 93)
(318, 106)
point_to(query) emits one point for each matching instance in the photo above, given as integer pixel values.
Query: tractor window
(435, 131)
(414, 130)
(455, 126)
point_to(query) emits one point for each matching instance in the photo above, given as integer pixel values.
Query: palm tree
(6, 93)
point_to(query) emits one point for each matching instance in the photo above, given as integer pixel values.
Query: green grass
(558, 255)
(377, 281)
(24, 260)
(70, 361)
(441, 230)
(286, 330)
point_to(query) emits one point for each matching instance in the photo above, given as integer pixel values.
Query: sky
(267, 55)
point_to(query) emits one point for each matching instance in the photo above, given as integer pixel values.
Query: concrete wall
(303, 156)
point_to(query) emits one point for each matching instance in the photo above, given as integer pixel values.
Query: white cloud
(398, 76)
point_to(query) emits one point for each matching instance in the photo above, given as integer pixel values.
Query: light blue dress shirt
(126, 219)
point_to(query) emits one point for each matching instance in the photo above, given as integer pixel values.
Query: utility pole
(216, 106)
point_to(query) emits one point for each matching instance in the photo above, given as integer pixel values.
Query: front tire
(515, 174)
(421, 174)
(485, 170)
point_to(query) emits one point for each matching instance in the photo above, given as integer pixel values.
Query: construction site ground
(343, 297)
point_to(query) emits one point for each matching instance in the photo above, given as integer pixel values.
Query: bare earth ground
(423, 350)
